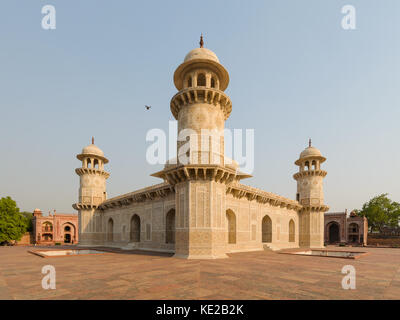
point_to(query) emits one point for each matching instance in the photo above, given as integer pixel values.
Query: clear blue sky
(295, 73)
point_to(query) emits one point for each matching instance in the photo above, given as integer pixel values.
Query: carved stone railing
(201, 94)
(239, 190)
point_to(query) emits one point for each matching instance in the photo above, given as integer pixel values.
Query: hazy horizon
(295, 73)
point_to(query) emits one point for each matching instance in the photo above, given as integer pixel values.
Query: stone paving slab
(251, 275)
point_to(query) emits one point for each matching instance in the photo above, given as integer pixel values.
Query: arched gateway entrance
(67, 238)
(334, 232)
(135, 228)
(266, 226)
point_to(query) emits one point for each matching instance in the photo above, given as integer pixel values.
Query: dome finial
(201, 41)
(92, 140)
(309, 142)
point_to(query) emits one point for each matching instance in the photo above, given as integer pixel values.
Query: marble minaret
(310, 194)
(201, 173)
(92, 192)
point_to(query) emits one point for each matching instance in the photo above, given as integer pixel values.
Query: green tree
(381, 212)
(12, 223)
(29, 220)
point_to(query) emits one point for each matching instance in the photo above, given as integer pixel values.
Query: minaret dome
(310, 158)
(201, 68)
(92, 157)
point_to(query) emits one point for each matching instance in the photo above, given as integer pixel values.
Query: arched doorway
(231, 219)
(334, 232)
(67, 238)
(170, 226)
(353, 232)
(266, 227)
(135, 228)
(291, 231)
(201, 80)
(110, 230)
(67, 234)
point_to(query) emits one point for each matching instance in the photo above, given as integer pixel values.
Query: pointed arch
(68, 232)
(212, 82)
(266, 227)
(47, 226)
(201, 80)
(135, 228)
(333, 229)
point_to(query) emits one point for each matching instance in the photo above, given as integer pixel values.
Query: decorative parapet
(84, 206)
(209, 172)
(149, 193)
(81, 171)
(239, 190)
(201, 94)
(335, 213)
(306, 173)
(315, 208)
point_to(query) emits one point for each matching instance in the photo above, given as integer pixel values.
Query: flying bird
(147, 107)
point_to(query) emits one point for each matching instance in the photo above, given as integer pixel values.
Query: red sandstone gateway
(55, 228)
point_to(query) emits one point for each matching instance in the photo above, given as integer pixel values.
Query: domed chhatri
(310, 152)
(92, 190)
(200, 58)
(309, 179)
(92, 150)
(201, 53)
(37, 212)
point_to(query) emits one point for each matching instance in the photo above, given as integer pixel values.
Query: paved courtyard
(253, 275)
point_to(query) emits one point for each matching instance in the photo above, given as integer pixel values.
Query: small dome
(310, 152)
(201, 53)
(353, 213)
(92, 150)
(200, 58)
(37, 210)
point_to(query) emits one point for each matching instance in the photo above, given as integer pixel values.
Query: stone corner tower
(92, 192)
(310, 195)
(200, 173)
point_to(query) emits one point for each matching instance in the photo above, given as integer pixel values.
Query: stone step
(131, 246)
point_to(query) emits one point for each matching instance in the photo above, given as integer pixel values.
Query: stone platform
(149, 275)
